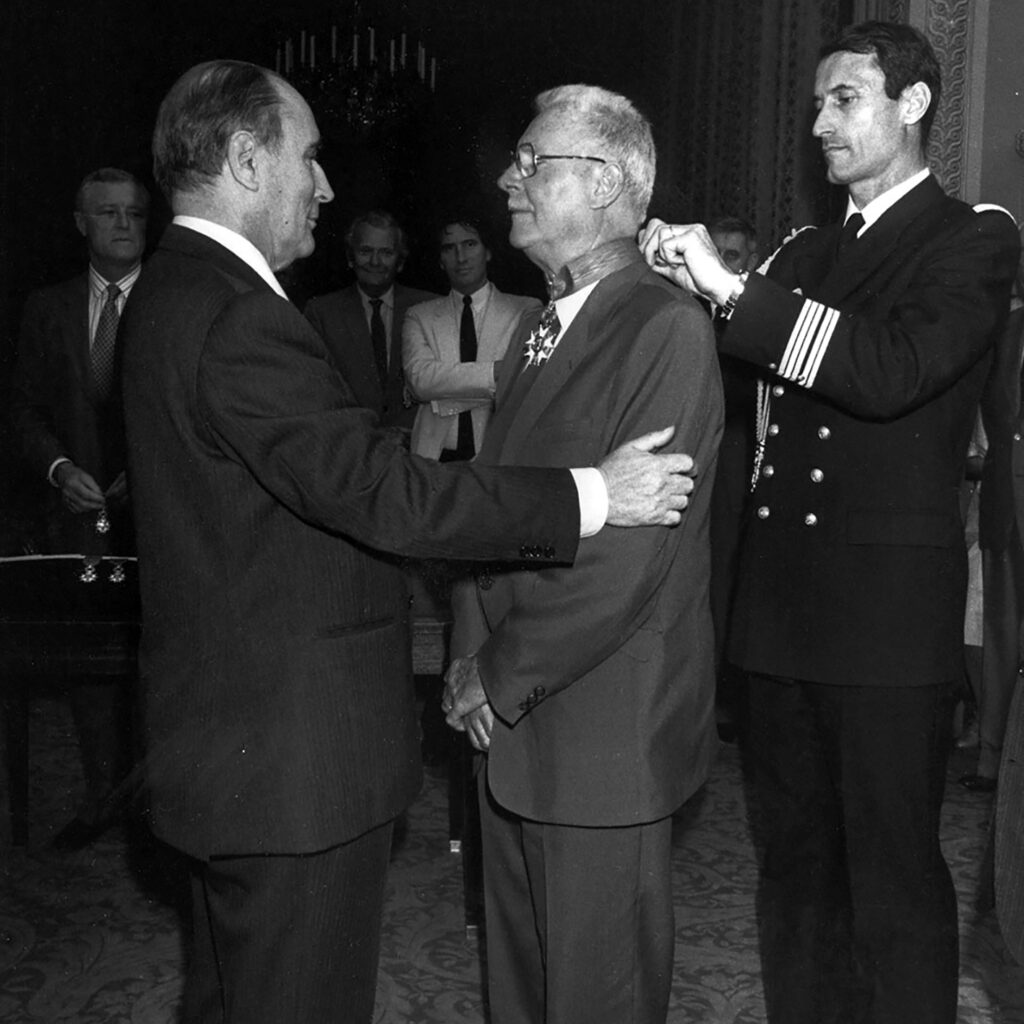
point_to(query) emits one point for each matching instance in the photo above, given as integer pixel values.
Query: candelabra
(354, 83)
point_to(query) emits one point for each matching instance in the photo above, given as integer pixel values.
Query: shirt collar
(479, 297)
(235, 243)
(569, 305)
(98, 284)
(888, 199)
(387, 299)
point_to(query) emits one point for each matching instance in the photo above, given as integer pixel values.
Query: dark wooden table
(63, 618)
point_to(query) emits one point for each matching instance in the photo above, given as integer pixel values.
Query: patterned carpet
(95, 937)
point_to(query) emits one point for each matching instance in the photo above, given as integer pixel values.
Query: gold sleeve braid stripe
(808, 343)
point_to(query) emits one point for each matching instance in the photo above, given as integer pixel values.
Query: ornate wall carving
(947, 26)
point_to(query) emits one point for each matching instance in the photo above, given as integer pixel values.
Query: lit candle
(355, 49)
(403, 50)
(433, 72)
(312, 51)
(373, 46)
(334, 43)
(391, 62)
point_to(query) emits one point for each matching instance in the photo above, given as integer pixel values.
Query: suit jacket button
(485, 581)
(539, 691)
(524, 706)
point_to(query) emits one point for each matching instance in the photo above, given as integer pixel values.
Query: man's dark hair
(469, 221)
(377, 219)
(204, 108)
(733, 225)
(904, 55)
(109, 176)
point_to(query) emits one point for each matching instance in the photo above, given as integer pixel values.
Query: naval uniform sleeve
(882, 365)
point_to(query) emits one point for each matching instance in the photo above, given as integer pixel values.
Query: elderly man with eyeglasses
(591, 691)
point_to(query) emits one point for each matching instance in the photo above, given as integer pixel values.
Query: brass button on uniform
(764, 512)
(773, 430)
(810, 519)
(824, 433)
(768, 470)
(778, 391)
(817, 476)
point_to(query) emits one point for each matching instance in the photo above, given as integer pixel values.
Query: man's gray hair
(109, 176)
(620, 127)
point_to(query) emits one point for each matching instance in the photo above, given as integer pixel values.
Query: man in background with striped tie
(65, 409)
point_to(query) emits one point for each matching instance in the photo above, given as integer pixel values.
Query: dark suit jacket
(1001, 501)
(1009, 830)
(341, 322)
(854, 568)
(55, 413)
(275, 655)
(602, 677)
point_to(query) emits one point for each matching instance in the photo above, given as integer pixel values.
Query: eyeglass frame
(537, 158)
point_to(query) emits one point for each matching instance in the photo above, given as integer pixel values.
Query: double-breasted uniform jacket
(854, 568)
(1002, 492)
(1001, 507)
(439, 380)
(55, 412)
(341, 321)
(275, 655)
(602, 679)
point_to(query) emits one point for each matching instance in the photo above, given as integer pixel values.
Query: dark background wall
(80, 82)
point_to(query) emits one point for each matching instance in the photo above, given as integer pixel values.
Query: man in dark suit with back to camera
(276, 686)
(362, 324)
(65, 409)
(593, 688)
(875, 337)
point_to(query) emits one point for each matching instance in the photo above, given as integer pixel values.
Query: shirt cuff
(593, 494)
(64, 458)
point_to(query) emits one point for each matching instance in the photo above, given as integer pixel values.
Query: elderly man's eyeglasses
(526, 158)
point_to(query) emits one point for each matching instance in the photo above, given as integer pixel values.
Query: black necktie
(467, 354)
(379, 337)
(849, 233)
(103, 344)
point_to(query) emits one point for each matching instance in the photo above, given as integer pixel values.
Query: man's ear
(608, 187)
(80, 222)
(916, 99)
(243, 160)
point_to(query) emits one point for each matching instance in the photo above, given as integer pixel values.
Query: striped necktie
(103, 345)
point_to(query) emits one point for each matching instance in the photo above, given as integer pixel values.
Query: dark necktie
(103, 345)
(467, 354)
(379, 337)
(849, 233)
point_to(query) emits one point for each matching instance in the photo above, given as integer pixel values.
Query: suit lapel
(77, 315)
(533, 390)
